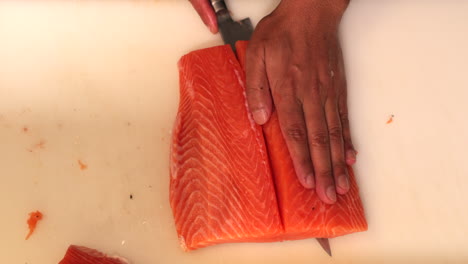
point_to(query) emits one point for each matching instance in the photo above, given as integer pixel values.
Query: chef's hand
(294, 61)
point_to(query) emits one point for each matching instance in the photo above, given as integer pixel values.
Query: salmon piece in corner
(84, 255)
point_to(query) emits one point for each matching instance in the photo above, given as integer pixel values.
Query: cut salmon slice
(222, 188)
(84, 255)
(304, 215)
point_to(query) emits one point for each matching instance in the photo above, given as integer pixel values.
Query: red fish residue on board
(34, 217)
(82, 165)
(83, 255)
(390, 120)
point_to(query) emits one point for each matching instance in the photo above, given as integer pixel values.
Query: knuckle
(319, 139)
(305, 162)
(286, 95)
(279, 87)
(296, 67)
(325, 174)
(339, 167)
(297, 70)
(336, 133)
(254, 89)
(326, 80)
(344, 117)
(296, 133)
(315, 90)
(349, 144)
(253, 108)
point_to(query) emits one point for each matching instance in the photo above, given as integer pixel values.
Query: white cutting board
(98, 82)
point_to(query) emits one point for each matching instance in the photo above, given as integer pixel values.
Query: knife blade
(231, 31)
(325, 245)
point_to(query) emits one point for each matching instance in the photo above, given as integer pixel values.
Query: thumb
(258, 88)
(206, 13)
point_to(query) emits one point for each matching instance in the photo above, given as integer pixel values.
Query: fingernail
(351, 157)
(343, 182)
(260, 116)
(310, 181)
(210, 25)
(213, 29)
(331, 193)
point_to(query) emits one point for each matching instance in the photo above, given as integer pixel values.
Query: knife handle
(218, 5)
(221, 11)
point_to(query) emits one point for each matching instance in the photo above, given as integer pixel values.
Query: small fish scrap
(82, 165)
(390, 120)
(34, 217)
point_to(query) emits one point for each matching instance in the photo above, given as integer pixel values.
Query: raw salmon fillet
(84, 255)
(226, 184)
(221, 189)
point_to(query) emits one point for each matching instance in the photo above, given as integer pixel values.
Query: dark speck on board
(131, 196)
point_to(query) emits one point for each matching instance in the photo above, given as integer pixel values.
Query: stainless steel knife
(231, 30)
